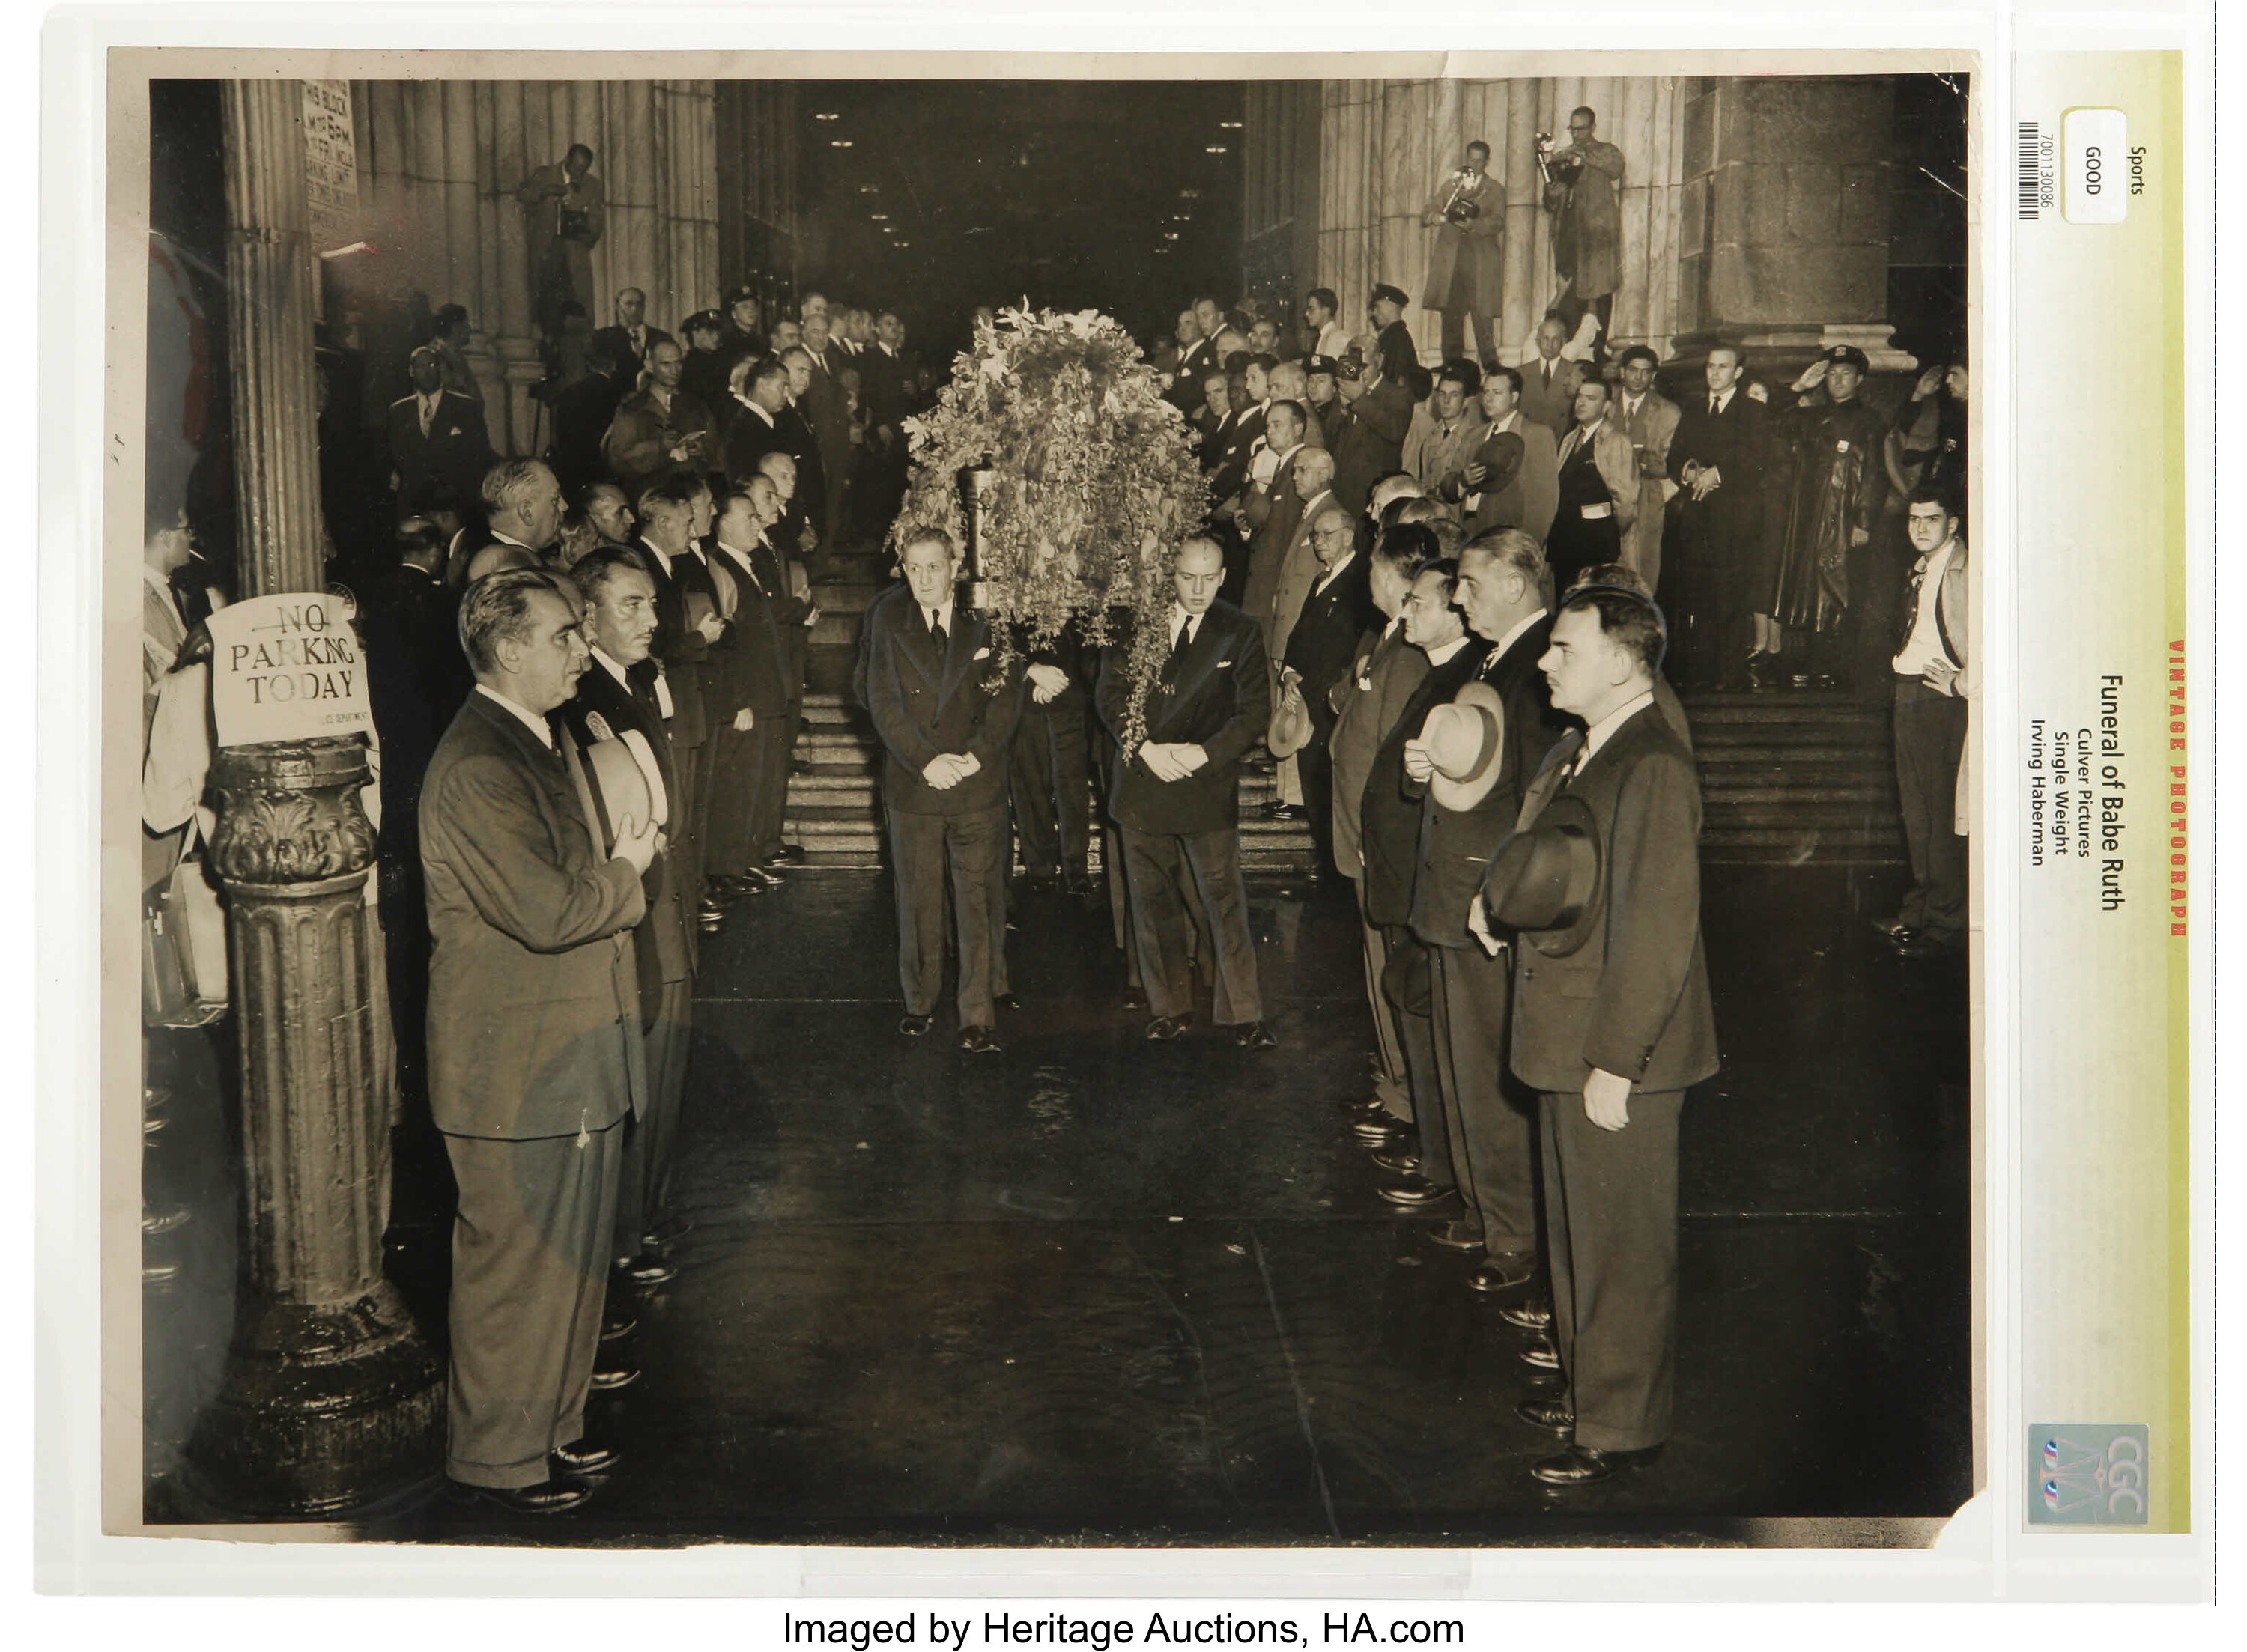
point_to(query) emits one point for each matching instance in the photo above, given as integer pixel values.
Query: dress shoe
(610, 1379)
(1801, 680)
(788, 855)
(1134, 998)
(1254, 1035)
(1457, 1234)
(1384, 1132)
(741, 887)
(1581, 1465)
(979, 1040)
(1554, 1417)
(1278, 810)
(1889, 928)
(1403, 1161)
(1504, 1272)
(618, 1323)
(915, 1025)
(150, 1123)
(155, 1221)
(549, 1497)
(583, 1457)
(1413, 1193)
(1761, 678)
(158, 1273)
(1540, 1354)
(647, 1270)
(1006, 1001)
(712, 918)
(757, 877)
(1163, 1029)
(1532, 1316)
(1917, 944)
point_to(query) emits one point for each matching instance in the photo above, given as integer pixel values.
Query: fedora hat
(625, 781)
(1542, 880)
(1464, 740)
(1290, 728)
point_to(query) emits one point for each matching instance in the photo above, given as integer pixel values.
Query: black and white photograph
(1123, 802)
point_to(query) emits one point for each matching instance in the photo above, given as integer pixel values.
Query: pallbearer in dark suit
(1611, 1023)
(1319, 645)
(1050, 767)
(1176, 797)
(753, 425)
(623, 695)
(1464, 817)
(534, 1051)
(928, 674)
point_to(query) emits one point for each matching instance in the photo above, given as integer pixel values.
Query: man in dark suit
(534, 1051)
(1720, 460)
(1050, 766)
(687, 624)
(702, 372)
(753, 430)
(1176, 797)
(1273, 508)
(522, 519)
(437, 437)
(1424, 1174)
(1611, 1024)
(627, 341)
(890, 391)
(746, 702)
(1320, 644)
(925, 673)
(624, 693)
(826, 406)
(582, 411)
(1371, 441)
(1493, 1144)
(1368, 702)
(801, 443)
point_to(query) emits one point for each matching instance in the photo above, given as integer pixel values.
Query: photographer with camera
(1583, 191)
(1467, 264)
(567, 209)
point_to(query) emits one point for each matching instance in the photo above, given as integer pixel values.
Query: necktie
(1712, 406)
(936, 627)
(1185, 636)
(428, 412)
(1909, 620)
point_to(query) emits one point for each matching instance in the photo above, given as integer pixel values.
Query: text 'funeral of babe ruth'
(2077, 793)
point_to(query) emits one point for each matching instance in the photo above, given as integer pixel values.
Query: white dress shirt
(530, 720)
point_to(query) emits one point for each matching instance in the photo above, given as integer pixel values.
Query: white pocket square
(982, 653)
(1223, 665)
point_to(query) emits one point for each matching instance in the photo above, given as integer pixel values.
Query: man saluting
(534, 1052)
(1177, 797)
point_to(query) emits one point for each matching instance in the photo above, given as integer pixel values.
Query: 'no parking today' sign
(287, 667)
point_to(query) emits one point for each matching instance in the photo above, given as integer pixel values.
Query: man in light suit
(1599, 489)
(1650, 419)
(566, 214)
(927, 671)
(1612, 1024)
(1467, 259)
(1528, 498)
(1500, 590)
(1445, 431)
(534, 1052)
(625, 692)
(1549, 379)
(1176, 794)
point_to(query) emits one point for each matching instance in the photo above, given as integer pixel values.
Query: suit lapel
(1548, 778)
(958, 652)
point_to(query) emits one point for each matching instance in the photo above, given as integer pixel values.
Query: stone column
(507, 161)
(1785, 242)
(331, 1397)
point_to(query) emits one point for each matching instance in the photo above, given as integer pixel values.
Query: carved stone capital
(289, 812)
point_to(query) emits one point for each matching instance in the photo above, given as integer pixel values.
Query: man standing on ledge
(924, 675)
(534, 1052)
(1177, 797)
(1611, 1024)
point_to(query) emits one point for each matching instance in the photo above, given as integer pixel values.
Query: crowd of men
(1451, 607)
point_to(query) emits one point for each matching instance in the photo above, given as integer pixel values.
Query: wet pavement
(1097, 1290)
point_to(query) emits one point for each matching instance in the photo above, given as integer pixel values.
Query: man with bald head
(523, 513)
(627, 340)
(1176, 795)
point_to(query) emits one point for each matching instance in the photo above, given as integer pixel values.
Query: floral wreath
(1088, 481)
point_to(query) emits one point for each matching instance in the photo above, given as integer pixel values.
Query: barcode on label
(2030, 151)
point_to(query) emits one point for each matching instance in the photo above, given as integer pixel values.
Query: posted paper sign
(287, 668)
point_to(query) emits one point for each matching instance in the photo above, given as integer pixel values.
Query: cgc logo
(2088, 1474)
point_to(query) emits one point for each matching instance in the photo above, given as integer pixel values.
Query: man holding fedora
(1472, 762)
(1612, 1023)
(622, 711)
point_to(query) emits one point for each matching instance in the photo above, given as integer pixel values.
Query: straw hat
(1464, 740)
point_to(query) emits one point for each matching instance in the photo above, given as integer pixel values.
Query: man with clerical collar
(1931, 730)
(624, 695)
(1176, 795)
(529, 904)
(1612, 1023)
